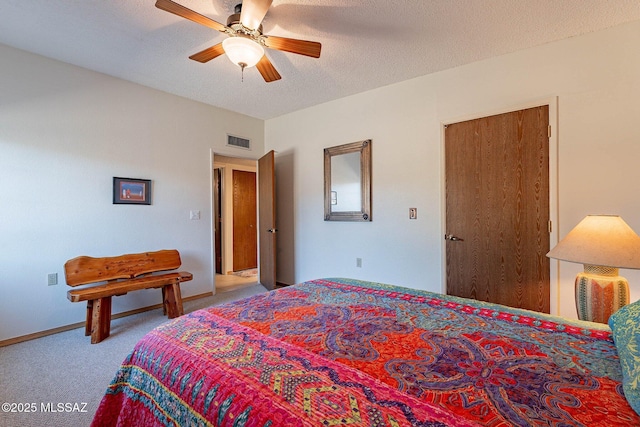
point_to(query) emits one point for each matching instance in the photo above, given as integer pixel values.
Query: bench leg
(172, 300)
(87, 323)
(164, 298)
(100, 319)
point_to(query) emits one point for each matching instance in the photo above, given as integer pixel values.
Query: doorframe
(212, 154)
(214, 218)
(212, 225)
(554, 269)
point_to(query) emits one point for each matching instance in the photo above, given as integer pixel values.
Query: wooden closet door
(245, 237)
(497, 209)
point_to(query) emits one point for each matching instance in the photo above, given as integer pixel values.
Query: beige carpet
(61, 378)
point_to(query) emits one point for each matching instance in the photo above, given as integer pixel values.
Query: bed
(347, 352)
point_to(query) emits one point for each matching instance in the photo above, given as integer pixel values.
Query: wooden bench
(123, 274)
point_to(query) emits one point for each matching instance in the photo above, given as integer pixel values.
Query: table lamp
(603, 243)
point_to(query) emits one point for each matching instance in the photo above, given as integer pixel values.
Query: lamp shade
(601, 240)
(242, 51)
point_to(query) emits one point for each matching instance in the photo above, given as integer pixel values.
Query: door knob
(453, 238)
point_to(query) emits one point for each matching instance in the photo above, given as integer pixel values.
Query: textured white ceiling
(365, 43)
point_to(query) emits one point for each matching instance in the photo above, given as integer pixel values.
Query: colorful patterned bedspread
(347, 352)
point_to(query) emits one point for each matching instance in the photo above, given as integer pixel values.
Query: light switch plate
(52, 279)
(194, 215)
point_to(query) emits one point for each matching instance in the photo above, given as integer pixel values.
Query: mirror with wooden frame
(347, 182)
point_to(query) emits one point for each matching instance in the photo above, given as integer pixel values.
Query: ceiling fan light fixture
(242, 51)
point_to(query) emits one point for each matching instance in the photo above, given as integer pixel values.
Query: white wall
(65, 132)
(595, 78)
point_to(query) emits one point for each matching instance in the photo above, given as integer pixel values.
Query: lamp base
(598, 296)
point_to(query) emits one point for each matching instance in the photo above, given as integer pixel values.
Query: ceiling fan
(245, 44)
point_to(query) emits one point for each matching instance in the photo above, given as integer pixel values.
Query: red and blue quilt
(347, 352)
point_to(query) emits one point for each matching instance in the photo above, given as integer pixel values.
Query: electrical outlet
(359, 262)
(195, 215)
(52, 279)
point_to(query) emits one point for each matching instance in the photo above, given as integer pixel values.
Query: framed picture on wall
(131, 191)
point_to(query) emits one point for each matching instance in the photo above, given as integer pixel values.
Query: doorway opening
(235, 222)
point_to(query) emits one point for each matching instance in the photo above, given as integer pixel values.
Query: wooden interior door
(497, 209)
(245, 237)
(267, 219)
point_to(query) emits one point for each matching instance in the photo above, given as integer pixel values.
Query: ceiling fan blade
(301, 47)
(253, 12)
(177, 9)
(208, 54)
(268, 71)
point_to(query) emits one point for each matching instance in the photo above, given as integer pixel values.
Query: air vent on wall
(236, 141)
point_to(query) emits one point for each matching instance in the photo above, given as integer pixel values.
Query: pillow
(625, 324)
